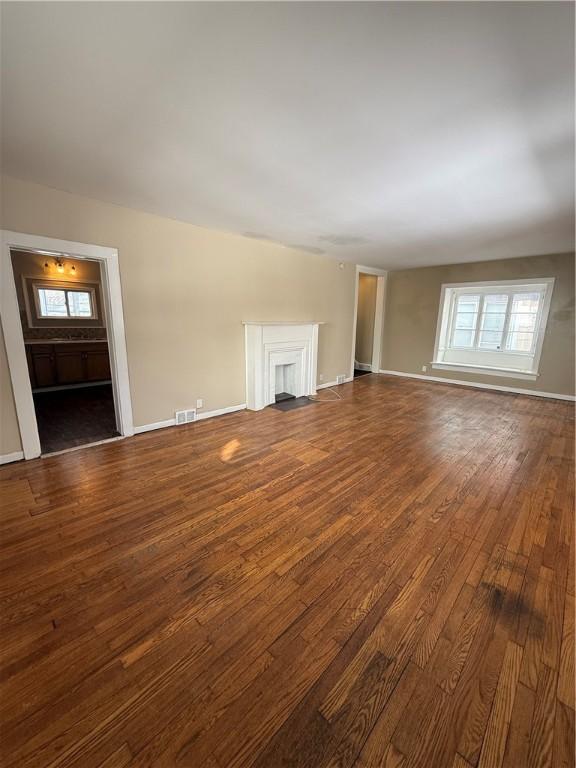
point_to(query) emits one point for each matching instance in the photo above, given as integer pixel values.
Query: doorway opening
(65, 339)
(66, 343)
(365, 316)
(368, 321)
(61, 308)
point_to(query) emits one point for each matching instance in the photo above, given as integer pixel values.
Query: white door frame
(14, 337)
(381, 274)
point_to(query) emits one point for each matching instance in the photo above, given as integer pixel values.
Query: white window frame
(67, 288)
(528, 362)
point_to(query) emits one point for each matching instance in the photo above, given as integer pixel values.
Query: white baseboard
(220, 411)
(155, 425)
(199, 417)
(362, 366)
(476, 385)
(6, 458)
(327, 384)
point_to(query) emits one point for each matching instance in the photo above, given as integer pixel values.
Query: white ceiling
(389, 134)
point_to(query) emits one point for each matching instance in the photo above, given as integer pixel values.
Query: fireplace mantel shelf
(283, 322)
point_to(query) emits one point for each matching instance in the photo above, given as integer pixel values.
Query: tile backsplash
(60, 333)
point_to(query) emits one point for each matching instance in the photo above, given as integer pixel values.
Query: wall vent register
(185, 417)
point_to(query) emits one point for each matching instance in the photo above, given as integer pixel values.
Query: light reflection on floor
(228, 451)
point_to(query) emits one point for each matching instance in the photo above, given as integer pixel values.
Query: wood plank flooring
(382, 580)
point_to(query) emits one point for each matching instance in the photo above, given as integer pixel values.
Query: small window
(65, 303)
(497, 328)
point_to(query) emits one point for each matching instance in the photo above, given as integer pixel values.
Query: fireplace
(285, 382)
(281, 360)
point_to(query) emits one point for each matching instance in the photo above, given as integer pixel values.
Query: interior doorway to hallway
(368, 320)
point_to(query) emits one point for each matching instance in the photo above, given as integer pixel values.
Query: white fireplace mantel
(281, 322)
(272, 343)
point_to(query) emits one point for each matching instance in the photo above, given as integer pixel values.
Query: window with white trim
(498, 327)
(64, 303)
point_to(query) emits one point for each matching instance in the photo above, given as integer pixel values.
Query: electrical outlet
(424, 368)
(321, 377)
(199, 403)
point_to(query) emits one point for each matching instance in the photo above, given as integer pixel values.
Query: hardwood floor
(383, 580)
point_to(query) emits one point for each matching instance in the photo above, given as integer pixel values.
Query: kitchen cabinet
(41, 365)
(97, 365)
(68, 363)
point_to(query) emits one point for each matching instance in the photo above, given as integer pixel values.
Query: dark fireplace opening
(280, 397)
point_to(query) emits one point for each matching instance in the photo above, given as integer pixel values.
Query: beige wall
(185, 292)
(412, 304)
(365, 318)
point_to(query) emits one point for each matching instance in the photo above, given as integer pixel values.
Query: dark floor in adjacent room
(358, 372)
(71, 417)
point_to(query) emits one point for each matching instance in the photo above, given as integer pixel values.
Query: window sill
(488, 370)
